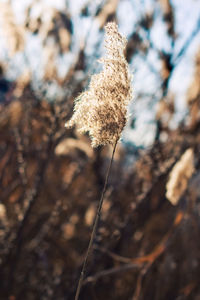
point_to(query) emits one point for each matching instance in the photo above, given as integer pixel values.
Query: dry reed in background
(12, 32)
(179, 177)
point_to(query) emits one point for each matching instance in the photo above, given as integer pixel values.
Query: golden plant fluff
(102, 110)
(179, 177)
(13, 33)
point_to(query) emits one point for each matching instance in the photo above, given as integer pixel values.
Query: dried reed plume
(179, 177)
(14, 33)
(102, 110)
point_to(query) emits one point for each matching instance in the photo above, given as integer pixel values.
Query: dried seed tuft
(102, 110)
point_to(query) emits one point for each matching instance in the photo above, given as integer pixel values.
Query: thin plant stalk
(94, 229)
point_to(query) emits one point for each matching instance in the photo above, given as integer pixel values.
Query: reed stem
(94, 229)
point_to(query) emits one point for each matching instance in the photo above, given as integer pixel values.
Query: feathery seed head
(179, 177)
(102, 110)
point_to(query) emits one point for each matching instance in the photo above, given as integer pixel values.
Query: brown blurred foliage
(51, 180)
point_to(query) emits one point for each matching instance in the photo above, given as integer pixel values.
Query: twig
(20, 157)
(139, 281)
(93, 234)
(111, 271)
(187, 43)
(116, 257)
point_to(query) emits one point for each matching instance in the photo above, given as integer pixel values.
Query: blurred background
(148, 244)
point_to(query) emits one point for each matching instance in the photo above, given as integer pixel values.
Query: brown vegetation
(50, 182)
